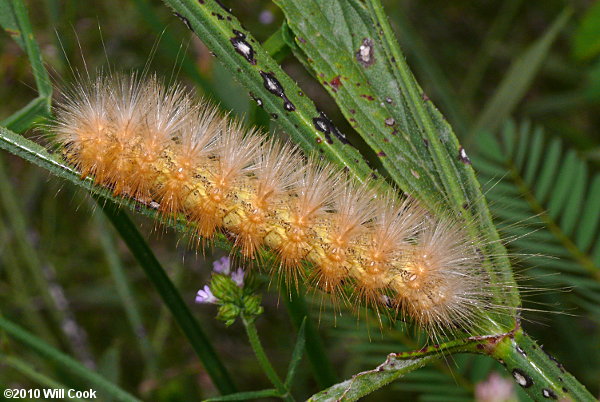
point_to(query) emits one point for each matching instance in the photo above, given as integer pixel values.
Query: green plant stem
(32, 49)
(36, 345)
(263, 360)
(538, 373)
(182, 315)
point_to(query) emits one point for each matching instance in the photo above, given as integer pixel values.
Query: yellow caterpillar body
(158, 145)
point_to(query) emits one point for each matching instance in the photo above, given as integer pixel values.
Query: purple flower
(222, 265)
(205, 296)
(266, 17)
(238, 277)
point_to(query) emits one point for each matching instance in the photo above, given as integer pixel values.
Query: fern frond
(549, 205)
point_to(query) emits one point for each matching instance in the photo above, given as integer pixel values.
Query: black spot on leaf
(242, 47)
(185, 21)
(521, 378)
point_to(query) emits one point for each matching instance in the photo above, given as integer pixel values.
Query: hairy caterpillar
(156, 144)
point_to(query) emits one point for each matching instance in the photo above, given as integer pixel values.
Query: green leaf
(367, 95)
(364, 383)
(517, 79)
(99, 383)
(8, 21)
(28, 115)
(296, 355)
(586, 40)
(218, 28)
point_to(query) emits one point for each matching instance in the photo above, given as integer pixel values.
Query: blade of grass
(296, 355)
(126, 294)
(163, 322)
(32, 373)
(439, 86)
(36, 345)
(15, 20)
(517, 80)
(498, 29)
(315, 351)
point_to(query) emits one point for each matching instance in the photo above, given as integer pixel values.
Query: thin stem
(263, 360)
(536, 371)
(32, 49)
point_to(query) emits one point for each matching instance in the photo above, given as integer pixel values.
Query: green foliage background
(522, 94)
